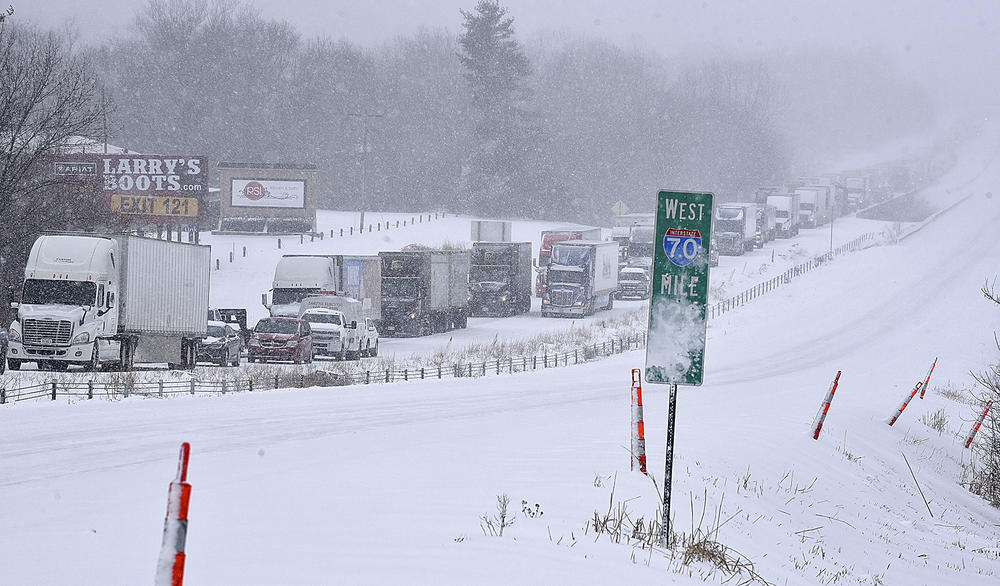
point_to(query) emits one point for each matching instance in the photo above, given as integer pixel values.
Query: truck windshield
(575, 256)
(558, 276)
(487, 273)
(42, 292)
(273, 326)
(286, 296)
(406, 288)
(782, 213)
(322, 318)
(216, 332)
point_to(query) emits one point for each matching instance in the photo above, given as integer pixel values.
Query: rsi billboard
(268, 193)
(158, 188)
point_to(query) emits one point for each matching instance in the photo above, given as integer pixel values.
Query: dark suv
(281, 338)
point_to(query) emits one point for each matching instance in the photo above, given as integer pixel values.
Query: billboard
(268, 193)
(153, 188)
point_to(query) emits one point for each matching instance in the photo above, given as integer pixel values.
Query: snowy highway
(388, 483)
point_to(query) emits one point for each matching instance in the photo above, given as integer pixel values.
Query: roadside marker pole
(906, 402)
(638, 427)
(668, 471)
(170, 567)
(975, 427)
(928, 379)
(825, 408)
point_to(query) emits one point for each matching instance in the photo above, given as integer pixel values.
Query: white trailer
(735, 230)
(117, 299)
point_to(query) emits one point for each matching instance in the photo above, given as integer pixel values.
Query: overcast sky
(954, 45)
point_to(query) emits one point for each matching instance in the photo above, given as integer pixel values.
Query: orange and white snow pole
(170, 567)
(638, 426)
(906, 402)
(979, 422)
(825, 407)
(927, 380)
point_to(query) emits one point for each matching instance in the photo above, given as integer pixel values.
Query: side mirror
(111, 299)
(263, 300)
(354, 324)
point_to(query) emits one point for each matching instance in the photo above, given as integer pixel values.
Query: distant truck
(113, 300)
(735, 227)
(814, 205)
(858, 186)
(338, 327)
(633, 283)
(767, 222)
(424, 291)
(500, 278)
(640, 246)
(582, 278)
(297, 276)
(786, 213)
(490, 231)
(550, 237)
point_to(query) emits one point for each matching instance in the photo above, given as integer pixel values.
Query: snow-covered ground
(388, 483)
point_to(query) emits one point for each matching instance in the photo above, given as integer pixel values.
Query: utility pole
(365, 117)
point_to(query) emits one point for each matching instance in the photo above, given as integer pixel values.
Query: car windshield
(216, 331)
(322, 318)
(273, 326)
(42, 292)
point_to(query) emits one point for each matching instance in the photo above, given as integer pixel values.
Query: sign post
(619, 208)
(675, 348)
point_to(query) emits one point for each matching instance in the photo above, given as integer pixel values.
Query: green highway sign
(675, 348)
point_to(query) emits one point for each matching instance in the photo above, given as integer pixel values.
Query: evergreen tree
(496, 180)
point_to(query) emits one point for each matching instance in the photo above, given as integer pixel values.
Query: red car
(281, 338)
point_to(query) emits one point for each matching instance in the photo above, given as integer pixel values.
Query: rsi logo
(255, 191)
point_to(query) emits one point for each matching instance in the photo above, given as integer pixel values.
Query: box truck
(582, 278)
(424, 291)
(113, 300)
(499, 278)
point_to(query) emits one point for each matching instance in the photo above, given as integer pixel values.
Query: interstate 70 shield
(675, 349)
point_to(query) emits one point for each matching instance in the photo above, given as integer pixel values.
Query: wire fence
(285, 240)
(124, 385)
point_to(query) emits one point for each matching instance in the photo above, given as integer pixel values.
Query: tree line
(472, 121)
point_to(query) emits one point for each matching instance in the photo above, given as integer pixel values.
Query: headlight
(413, 315)
(254, 342)
(82, 338)
(578, 303)
(291, 343)
(504, 298)
(15, 336)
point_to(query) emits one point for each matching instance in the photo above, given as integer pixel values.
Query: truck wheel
(14, 364)
(308, 358)
(95, 360)
(223, 360)
(375, 350)
(3, 365)
(611, 301)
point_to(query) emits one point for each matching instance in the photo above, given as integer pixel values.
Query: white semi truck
(814, 205)
(786, 213)
(297, 276)
(735, 228)
(113, 300)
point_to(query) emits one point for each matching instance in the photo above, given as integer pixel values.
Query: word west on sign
(677, 317)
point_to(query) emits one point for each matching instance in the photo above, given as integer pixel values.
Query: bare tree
(48, 94)
(984, 479)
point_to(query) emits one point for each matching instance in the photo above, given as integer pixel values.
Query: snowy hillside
(390, 483)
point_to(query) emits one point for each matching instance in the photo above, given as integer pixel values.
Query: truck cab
(297, 276)
(65, 315)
